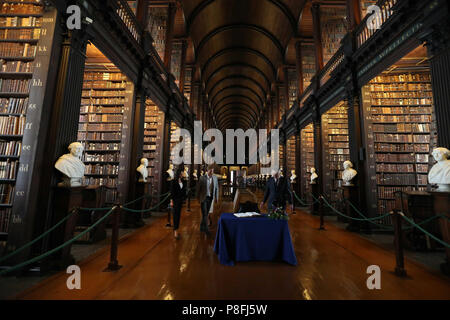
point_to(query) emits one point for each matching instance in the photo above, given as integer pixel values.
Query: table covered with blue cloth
(253, 239)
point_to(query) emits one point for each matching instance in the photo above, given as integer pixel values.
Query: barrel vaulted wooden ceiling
(239, 47)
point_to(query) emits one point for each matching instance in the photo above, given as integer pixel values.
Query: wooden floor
(332, 265)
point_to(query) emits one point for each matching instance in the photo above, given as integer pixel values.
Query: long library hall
(224, 150)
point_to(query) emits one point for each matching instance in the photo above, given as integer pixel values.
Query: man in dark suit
(278, 191)
(207, 192)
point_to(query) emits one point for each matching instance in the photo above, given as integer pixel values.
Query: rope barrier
(348, 217)
(445, 244)
(146, 210)
(44, 255)
(304, 203)
(374, 223)
(38, 238)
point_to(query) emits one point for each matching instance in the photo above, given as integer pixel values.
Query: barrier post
(189, 201)
(398, 244)
(322, 222)
(114, 263)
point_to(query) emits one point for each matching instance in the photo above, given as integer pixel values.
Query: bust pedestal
(350, 193)
(135, 219)
(93, 197)
(315, 207)
(65, 199)
(143, 189)
(441, 204)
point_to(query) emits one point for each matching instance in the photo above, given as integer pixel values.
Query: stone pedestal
(441, 204)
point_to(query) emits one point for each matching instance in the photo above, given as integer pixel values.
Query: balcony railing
(125, 13)
(305, 95)
(372, 22)
(325, 73)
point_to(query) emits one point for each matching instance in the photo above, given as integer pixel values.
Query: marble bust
(186, 173)
(293, 176)
(440, 172)
(142, 169)
(314, 176)
(170, 172)
(71, 166)
(194, 174)
(349, 173)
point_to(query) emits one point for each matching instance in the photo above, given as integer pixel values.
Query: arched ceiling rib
(239, 46)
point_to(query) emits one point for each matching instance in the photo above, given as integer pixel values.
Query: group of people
(278, 192)
(207, 194)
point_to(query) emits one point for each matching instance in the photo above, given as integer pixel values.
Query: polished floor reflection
(332, 265)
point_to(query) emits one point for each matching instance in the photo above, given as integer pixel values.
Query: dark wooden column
(353, 13)
(357, 151)
(438, 44)
(166, 151)
(277, 104)
(299, 66)
(137, 140)
(183, 66)
(318, 156)
(142, 13)
(169, 35)
(298, 160)
(315, 10)
(286, 89)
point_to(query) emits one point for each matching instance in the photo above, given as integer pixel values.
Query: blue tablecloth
(253, 239)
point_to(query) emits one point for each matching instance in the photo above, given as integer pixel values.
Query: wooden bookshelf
(335, 149)
(153, 131)
(290, 155)
(307, 160)
(401, 133)
(175, 61)
(293, 85)
(104, 129)
(174, 138)
(188, 84)
(308, 64)
(332, 20)
(20, 32)
(157, 26)
(281, 159)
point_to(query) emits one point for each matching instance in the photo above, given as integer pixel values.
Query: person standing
(278, 191)
(178, 194)
(207, 192)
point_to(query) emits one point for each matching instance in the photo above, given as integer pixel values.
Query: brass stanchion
(113, 263)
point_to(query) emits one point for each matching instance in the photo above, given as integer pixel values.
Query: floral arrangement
(278, 214)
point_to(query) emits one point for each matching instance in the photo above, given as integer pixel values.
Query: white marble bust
(142, 169)
(349, 173)
(314, 176)
(440, 172)
(71, 166)
(186, 173)
(293, 176)
(194, 174)
(170, 172)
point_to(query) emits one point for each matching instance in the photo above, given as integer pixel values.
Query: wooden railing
(372, 22)
(125, 13)
(325, 74)
(305, 95)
